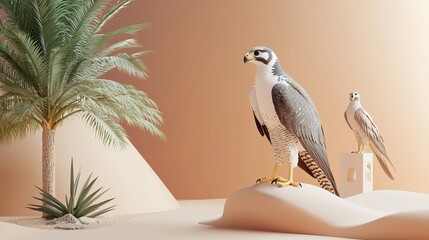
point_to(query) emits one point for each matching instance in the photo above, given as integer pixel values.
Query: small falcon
(285, 114)
(366, 132)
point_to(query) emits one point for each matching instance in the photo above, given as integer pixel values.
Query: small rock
(68, 218)
(68, 222)
(88, 220)
(68, 226)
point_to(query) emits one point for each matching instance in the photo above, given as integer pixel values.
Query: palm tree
(53, 55)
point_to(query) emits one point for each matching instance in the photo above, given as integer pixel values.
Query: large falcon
(366, 132)
(285, 114)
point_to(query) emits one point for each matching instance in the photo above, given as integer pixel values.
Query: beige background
(198, 79)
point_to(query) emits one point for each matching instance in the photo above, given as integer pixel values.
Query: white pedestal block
(356, 173)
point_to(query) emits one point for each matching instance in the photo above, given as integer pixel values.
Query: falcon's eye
(256, 53)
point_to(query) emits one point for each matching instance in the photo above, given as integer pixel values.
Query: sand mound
(312, 210)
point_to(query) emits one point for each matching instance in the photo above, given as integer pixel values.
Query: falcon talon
(300, 185)
(258, 181)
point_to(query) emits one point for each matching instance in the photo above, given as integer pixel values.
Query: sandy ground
(180, 224)
(41, 223)
(185, 223)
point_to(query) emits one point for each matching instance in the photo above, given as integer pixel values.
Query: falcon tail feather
(383, 160)
(317, 172)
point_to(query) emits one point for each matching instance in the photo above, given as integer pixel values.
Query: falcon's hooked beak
(245, 60)
(248, 57)
(351, 96)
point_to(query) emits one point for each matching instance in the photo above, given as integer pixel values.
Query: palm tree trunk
(48, 161)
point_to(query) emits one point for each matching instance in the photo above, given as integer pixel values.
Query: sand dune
(312, 210)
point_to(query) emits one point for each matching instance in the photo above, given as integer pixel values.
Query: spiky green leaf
(90, 199)
(49, 210)
(85, 190)
(51, 198)
(96, 214)
(94, 207)
(50, 204)
(80, 203)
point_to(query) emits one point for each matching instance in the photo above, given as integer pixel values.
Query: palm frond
(99, 42)
(110, 132)
(113, 11)
(14, 59)
(115, 101)
(38, 34)
(23, 15)
(21, 112)
(123, 61)
(87, 17)
(12, 67)
(17, 130)
(16, 87)
(22, 42)
(127, 43)
(84, 21)
(58, 67)
(53, 18)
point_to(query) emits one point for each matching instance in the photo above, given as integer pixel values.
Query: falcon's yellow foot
(264, 180)
(281, 182)
(361, 148)
(270, 179)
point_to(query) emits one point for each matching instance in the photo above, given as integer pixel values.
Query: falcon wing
(257, 115)
(297, 113)
(375, 139)
(347, 121)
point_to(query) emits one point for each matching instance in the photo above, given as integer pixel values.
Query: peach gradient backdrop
(198, 79)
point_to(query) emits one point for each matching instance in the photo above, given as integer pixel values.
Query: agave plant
(53, 56)
(78, 204)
